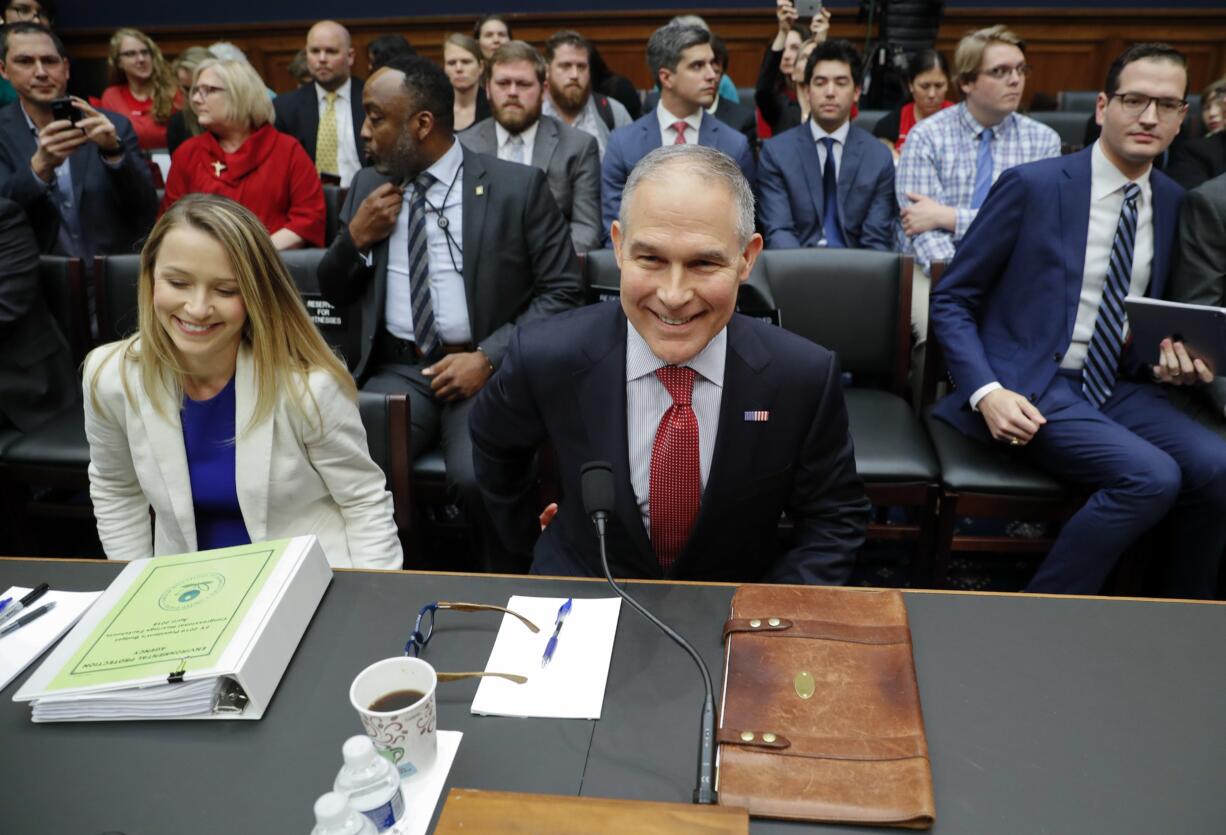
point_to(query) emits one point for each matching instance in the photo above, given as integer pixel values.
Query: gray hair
(226, 51)
(701, 161)
(666, 44)
(691, 20)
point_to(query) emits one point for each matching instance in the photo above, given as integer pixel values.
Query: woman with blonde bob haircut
(226, 411)
(240, 155)
(142, 87)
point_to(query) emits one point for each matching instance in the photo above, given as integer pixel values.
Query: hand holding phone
(63, 109)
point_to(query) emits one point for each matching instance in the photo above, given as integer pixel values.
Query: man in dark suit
(447, 251)
(714, 423)
(827, 182)
(1030, 315)
(517, 132)
(681, 59)
(36, 375)
(731, 113)
(326, 117)
(1198, 276)
(83, 184)
(1198, 161)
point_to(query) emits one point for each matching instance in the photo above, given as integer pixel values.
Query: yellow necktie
(325, 139)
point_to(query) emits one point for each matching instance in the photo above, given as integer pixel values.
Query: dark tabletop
(1042, 715)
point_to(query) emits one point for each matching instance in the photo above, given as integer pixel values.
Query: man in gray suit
(517, 132)
(447, 251)
(83, 184)
(1198, 276)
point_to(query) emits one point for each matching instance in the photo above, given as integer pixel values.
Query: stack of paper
(158, 701)
(572, 685)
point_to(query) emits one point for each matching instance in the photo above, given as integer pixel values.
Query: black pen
(35, 593)
(24, 619)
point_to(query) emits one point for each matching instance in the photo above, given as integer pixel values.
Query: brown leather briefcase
(820, 717)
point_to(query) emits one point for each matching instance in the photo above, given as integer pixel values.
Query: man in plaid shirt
(952, 158)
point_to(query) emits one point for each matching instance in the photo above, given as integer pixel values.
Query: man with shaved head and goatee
(326, 117)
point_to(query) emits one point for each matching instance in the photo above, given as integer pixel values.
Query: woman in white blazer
(226, 411)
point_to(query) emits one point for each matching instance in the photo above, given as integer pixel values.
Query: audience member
(326, 116)
(241, 155)
(951, 159)
(827, 182)
(385, 47)
(1032, 321)
(37, 380)
(465, 67)
(681, 59)
(598, 382)
(226, 411)
(778, 92)
(616, 87)
(183, 124)
(491, 32)
(226, 51)
(569, 96)
(447, 251)
(730, 112)
(83, 184)
(1203, 159)
(927, 83)
(517, 132)
(142, 87)
(1198, 276)
(24, 11)
(300, 68)
(725, 88)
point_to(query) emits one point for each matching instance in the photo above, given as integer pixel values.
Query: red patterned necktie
(680, 127)
(676, 478)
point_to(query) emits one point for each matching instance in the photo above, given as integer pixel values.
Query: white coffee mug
(406, 736)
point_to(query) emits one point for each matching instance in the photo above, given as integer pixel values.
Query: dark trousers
(1147, 460)
(435, 423)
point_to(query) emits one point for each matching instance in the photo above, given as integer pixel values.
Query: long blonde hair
(189, 59)
(165, 85)
(285, 344)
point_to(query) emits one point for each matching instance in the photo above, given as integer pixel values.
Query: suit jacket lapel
(811, 165)
(475, 197)
(1074, 213)
(1166, 210)
(649, 127)
(601, 392)
(736, 441)
(849, 166)
(166, 436)
(485, 138)
(546, 143)
(253, 450)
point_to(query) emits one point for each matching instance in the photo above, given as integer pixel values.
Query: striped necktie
(325, 138)
(425, 329)
(1110, 328)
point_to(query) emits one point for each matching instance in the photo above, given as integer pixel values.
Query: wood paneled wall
(1070, 49)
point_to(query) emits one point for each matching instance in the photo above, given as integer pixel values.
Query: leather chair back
(334, 198)
(115, 297)
(386, 420)
(341, 327)
(63, 284)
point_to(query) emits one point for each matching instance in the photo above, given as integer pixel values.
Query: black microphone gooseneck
(596, 484)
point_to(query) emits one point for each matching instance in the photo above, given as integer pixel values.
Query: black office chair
(386, 420)
(334, 198)
(63, 284)
(868, 119)
(857, 303)
(981, 480)
(1069, 124)
(341, 327)
(115, 295)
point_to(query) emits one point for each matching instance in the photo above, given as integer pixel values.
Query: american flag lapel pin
(761, 416)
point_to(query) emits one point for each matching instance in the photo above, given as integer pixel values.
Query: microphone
(596, 485)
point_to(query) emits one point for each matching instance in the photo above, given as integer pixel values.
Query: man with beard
(326, 117)
(517, 132)
(447, 251)
(569, 96)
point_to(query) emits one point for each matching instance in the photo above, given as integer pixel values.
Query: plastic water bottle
(371, 783)
(333, 816)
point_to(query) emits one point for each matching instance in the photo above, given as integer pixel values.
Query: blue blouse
(208, 436)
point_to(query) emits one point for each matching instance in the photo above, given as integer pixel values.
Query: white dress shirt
(1106, 202)
(346, 144)
(503, 136)
(840, 141)
(445, 258)
(668, 134)
(647, 400)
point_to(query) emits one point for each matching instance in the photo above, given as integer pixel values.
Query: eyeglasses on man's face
(1135, 104)
(1002, 71)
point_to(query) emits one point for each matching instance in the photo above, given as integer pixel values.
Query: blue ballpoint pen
(14, 608)
(4, 604)
(550, 647)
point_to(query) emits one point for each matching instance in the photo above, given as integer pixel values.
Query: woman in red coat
(142, 87)
(241, 155)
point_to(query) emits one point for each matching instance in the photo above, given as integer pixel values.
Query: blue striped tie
(425, 329)
(1103, 355)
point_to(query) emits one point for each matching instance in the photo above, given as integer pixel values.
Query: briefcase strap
(824, 630)
(827, 748)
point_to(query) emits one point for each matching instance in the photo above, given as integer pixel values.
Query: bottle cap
(331, 809)
(358, 751)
